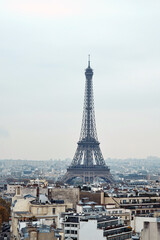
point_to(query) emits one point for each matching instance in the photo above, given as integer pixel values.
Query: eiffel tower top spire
(89, 70)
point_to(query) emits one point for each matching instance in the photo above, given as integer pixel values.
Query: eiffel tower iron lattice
(88, 162)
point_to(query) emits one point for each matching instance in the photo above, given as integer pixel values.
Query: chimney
(37, 194)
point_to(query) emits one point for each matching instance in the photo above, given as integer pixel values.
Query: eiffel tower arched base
(87, 174)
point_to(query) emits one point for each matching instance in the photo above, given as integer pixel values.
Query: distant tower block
(88, 162)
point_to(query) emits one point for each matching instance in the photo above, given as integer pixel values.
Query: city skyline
(44, 48)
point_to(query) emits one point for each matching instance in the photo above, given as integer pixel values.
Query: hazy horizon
(148, 158)
(44, 46)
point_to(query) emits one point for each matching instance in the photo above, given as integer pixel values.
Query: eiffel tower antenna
(89, 61)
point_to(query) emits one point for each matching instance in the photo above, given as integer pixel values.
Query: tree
(5, 204)
(4, 211)
(4, 214)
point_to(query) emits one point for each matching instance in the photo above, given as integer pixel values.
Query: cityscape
(38, 204)
(110, 188)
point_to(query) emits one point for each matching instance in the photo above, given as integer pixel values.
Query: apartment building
(80, 227)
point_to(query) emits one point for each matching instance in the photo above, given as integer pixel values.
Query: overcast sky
(44, 46)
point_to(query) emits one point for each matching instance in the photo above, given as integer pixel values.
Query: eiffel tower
(88, 162)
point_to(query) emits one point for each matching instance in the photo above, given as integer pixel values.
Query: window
(53, 210)
(73, 225)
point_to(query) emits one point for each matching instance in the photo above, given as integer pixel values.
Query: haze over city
(44, 47)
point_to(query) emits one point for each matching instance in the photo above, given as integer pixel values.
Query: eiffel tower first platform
(88, 162)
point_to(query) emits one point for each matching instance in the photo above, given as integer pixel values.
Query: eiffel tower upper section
(88, 153)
